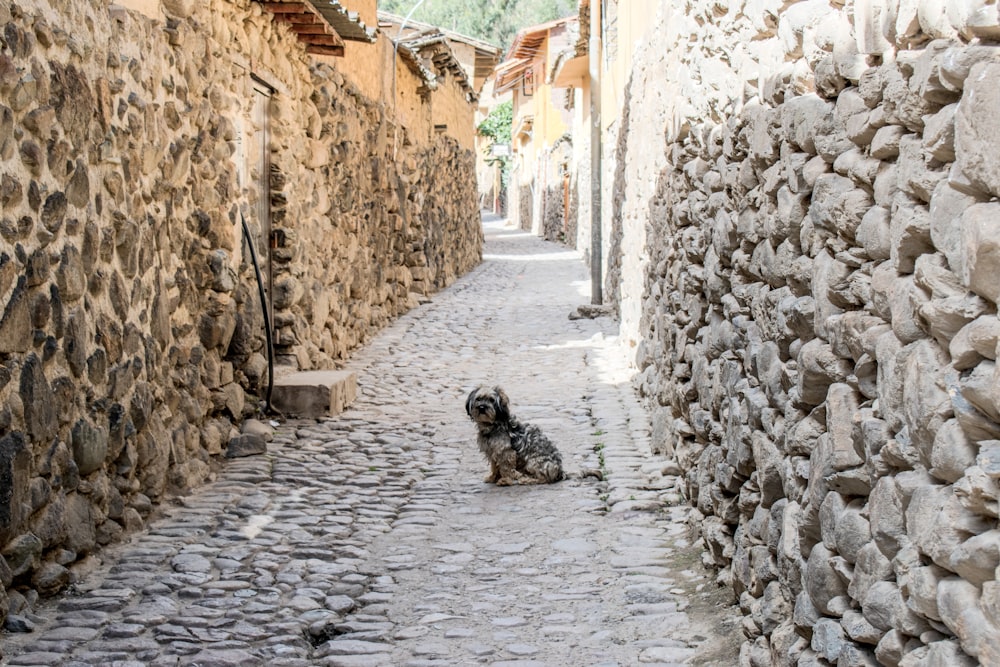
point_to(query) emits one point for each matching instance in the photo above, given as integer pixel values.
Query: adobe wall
(816, 320)
(131, 336)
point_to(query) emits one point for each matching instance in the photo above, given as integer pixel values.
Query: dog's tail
(583, 473)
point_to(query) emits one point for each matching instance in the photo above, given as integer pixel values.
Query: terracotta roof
(527, 43)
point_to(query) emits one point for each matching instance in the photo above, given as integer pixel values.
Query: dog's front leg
(494, 474)
(505, 465)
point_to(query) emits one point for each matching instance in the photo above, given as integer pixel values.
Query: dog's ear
(503, 403)
(470, 399)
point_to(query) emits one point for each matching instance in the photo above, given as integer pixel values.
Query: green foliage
(497, 125)
(493, 21)
(497, 128)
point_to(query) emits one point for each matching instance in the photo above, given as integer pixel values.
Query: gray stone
(952, 453)
(947, 205)
(15, 325)
(926, 403)
(891, 648)
(81, 536)
(859, 629)
(247, 444)
(70, 275)
(819, 367)
(883, 606)
(255, 426)
(909, 234)
(921, 587)
(939, 134)
(828, 639)
(979, 388)
(945, 653)
(946, 317)
(90, 446)
(980, 250)
(314, 394)
(977, 138)
(943, 523)
(22, 553)
(918, 175)
(852, 532)
(822, 582)
(40, 416)
(977, 558)
(50, 579)
(979, 492)
(15, 470)
(885, 512)
(959, 604)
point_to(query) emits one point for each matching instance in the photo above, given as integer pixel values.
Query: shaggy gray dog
(518, 453)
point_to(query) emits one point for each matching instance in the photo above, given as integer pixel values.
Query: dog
(517, 453)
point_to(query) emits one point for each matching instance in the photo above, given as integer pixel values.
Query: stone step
(314, 394)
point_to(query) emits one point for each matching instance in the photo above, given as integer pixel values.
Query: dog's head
(488, 406)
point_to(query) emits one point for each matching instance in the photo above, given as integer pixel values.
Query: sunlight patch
(540, 257)
(254, 525)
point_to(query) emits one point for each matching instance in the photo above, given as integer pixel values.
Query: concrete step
(314, 394)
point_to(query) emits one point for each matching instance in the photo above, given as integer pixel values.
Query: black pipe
(267, 318)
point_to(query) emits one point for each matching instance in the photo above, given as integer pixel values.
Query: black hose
(267, 318)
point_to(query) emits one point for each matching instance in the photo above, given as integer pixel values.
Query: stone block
(958, 602)
(246, 444)
(977, 558)
(946, 317)
(957, 62)
(938, 523)
(314, 394)
(15, 469)
(885, 142)
(952, 453)
(910, 233)
(822, 582)
(977, 134)
(926, 403)
(975, 341)
(980, 249)
(887, 520)
(870, 565)
(979, 492)
(819, 368)
(874, 234)
(918, 174)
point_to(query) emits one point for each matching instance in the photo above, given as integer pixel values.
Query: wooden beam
(288, 7)
(322, 40)
(318, 50)
(300, 19)
(311, 29)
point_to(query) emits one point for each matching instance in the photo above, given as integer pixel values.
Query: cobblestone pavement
(371, 539)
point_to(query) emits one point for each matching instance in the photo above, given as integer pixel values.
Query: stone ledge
(314, 394)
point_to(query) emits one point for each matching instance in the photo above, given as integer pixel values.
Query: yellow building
(541, 198)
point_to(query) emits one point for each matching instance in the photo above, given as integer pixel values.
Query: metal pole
(596, 246)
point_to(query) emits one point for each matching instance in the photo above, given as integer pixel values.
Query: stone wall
(817, 330)
(131, 335)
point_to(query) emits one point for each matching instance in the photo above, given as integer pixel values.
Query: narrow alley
(371, 539)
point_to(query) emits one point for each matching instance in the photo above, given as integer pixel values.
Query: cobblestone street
(370, 539)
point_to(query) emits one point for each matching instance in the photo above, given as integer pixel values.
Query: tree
(493, 21)
(497, 128)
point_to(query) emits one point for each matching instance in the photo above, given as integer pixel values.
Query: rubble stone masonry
(813, 186)
(131, 333)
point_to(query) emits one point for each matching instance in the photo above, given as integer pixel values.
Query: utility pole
(596, 246)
